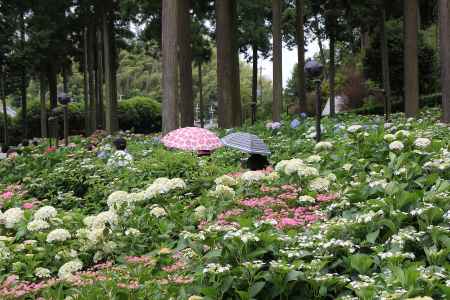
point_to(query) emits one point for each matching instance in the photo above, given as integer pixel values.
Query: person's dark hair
(120, 144)
(257, 162)
(5, 148)
(25, 143)
(35, 143)
(90, 147)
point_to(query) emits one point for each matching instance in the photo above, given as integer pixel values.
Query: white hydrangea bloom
(42, 273)
(12, 216)
(157, 211)
(117, 199)
(281, 166)
(389, 137)
(132, 232)
(314, 159)
(347, 167)
(323, 146)
(37, 225)
(177, 183)
(252, 176)
(225, 180)
(306, 171)
(45, 212)
(354, 128)
(396, 146)
(223, 191)
(402, 134)
(200, 212)
(89, 221)
(422, 143)
(293, 165)
(106, 217)
(320, 184)
(58, 235)
(306, 200)
(66, 271)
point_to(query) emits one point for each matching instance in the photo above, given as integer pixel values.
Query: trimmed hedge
(138, 114)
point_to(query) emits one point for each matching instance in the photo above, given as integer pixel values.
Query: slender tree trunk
(92, 78)
(113, 63)
(23, 79)
(86, 81)
(411, 58)
(42, 92)
(254, 83)
(200, 89)
(385, 59)
(301, 85)
(100, 71)
(170, 64)
(277, 61)
(52, 84)
(319, 42)
(110, 100)
(225, 53)
(445, 57)
(185, 60)
(66, 78)
(235, 79)
(332, 78)
(3, 98)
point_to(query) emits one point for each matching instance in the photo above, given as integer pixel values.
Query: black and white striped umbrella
(246, 142)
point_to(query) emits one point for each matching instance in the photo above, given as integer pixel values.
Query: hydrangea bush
(363, 214)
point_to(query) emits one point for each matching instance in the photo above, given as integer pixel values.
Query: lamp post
(314, 70)
(65, 100)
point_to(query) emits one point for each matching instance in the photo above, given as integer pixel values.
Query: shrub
(139, 114)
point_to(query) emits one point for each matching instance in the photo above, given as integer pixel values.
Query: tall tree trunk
(445, 57)
(42, 92)
(254, 83)
(411, 58)
(110, 95)
(385, 58)
(92, 78)
(235, 79)
(332, 79)
(52, 78)
(323, 60)
(225, 61)
(100, 70)
(170, 64)
(185, 60)
(86, 81)
(3, 98)
(277, 61)
(301, 84)
(66, 76)
(23, 79)
(200, 89)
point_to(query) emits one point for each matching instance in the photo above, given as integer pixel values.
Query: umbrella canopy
(246, 142)
(192, 139)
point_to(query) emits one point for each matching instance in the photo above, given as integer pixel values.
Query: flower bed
(362, 215)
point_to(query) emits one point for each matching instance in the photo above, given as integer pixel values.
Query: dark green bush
(139, 114)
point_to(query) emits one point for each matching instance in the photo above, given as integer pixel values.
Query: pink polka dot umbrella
(192, 139)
